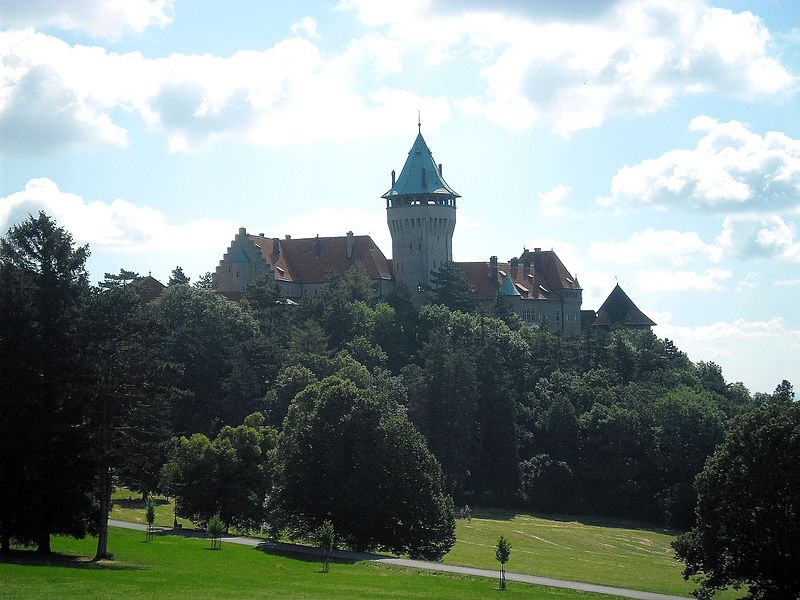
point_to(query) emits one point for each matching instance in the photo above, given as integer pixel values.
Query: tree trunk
(43, 543)
(105, 486)
(102, 519)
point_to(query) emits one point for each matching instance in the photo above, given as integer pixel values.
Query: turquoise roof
(420, 175)
(508, 288)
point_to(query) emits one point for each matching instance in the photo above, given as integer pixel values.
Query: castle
(421, 215)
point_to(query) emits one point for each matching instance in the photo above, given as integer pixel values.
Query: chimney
(317, 247)
(288, 237)
(349, 245)
(537, 250)
(440, 170)
(276, 246)
(392, 178)
(493, 270)
(514, 267)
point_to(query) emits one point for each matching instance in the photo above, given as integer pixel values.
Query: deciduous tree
(748, 510)
(349, 454)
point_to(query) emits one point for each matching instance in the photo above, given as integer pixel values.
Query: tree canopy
(348, 454)
(748, 509)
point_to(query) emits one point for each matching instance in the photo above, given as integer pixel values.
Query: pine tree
(451, 288)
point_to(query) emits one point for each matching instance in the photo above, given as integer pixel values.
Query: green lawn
(179, 568)
(129, 506)
(603, 551)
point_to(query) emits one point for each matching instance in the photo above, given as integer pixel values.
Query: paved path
(414, 564)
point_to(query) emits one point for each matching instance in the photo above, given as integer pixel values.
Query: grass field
(603, 551)
(607, 552)
(179, 568)
(129, 506)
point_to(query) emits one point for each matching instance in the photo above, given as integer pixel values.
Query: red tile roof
(310, 260)
(540, 281)
(149, 287)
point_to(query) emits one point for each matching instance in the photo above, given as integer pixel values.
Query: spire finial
(419, 122)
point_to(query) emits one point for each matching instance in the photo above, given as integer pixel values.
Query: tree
(204, 281)
(45, 459)
(215, 528)
(502, 553)
(205, 337)
(451, 288)
(150, 516)
(548, 484)
(748, 509)
(125, 400)
(350, 455)
(687, 427)
(327, 538)
(309, 337)
(178, 277)
(784, 393)
(111, 280)
(227, 476)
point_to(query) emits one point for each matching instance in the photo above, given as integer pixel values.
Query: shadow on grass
(310, 555)
(136, 503)
(500, 514)
(285, 549)
(30, 558)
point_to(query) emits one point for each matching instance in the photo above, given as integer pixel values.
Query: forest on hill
(365, 411)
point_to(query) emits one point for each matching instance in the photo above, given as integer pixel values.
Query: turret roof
(420, 175)
(619, 309)
(508, 288)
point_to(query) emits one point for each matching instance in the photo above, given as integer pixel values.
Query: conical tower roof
(508, 288)
(619, 309)
(420, 175)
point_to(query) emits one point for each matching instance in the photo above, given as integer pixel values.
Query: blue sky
(656, 142)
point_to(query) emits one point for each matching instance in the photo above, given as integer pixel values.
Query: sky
(653, 143)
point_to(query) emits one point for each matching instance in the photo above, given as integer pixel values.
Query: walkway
(414, 564)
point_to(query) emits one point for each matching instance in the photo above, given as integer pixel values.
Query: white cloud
(711, 280)
(571, 68)
(731, 168)
(118, 226)
(760, 353)
(41, 113)
(107, 19)
(750, 282)
(753, 236)
(306, 26)
(553, 202)
(786, 283)
(289, 93)
(675, 246)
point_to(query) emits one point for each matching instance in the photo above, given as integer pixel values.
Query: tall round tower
(421, 212)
